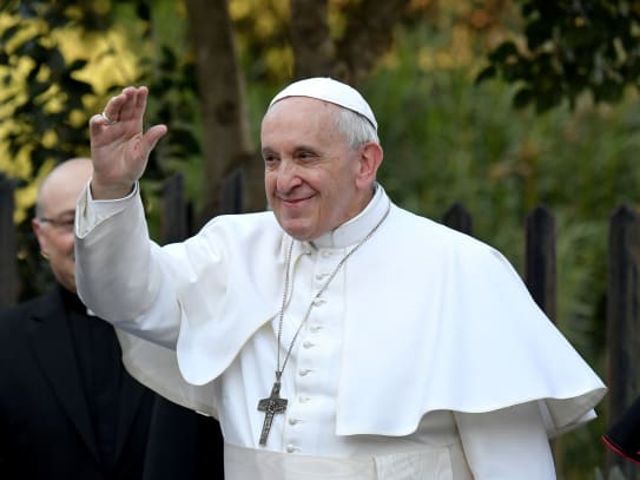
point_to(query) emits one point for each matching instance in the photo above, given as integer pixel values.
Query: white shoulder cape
(436, 320)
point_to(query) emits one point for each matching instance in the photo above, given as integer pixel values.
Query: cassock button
(291, 448)
(315, 328)
(304, 372)
(308, 344)
(293, 421)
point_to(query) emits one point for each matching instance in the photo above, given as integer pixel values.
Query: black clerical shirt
(99, 363)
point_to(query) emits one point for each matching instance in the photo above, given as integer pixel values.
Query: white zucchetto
(329, 90)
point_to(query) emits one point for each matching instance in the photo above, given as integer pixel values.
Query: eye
(269, 158)
(305, 155)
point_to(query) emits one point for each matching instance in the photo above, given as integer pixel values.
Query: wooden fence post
(540, 278)
(8, 270)
(540, 259)
(458, 218)
(174, 225)
(623, 326)
(232, 193)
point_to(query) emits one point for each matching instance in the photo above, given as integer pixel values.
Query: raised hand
(119, 147)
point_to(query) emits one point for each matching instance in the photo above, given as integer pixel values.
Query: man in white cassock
(337, 335)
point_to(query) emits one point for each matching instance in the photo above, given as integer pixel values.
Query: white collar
(355, 229)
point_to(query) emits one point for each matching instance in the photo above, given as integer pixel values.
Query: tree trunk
(368, 36)
(226, 141)
(313, 47)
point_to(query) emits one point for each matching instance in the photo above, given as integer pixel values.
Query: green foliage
(52, 93)
(48, 119)
(46, 106)
(572, 47)
(174, 102)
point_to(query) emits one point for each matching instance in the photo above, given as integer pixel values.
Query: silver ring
(109, 121)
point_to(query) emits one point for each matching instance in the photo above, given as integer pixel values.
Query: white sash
(427, 463)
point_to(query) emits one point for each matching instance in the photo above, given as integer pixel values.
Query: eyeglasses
(62, 224)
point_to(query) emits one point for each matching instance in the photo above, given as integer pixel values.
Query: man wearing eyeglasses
(55, 213)
(68, 409)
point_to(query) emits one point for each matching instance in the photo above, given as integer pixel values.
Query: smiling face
(55, 215)
(314, 180)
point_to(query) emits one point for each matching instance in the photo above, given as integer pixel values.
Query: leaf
(10, 32)
(33, 73)
(522, 98)
(486, 74)
(55, 61)
(503, 52)
(75, 87)
(76, 65)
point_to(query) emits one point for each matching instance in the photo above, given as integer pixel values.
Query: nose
(287, 177)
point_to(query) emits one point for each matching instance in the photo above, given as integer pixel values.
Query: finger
(128, 109)
(152, 136)
(125, 99)
(114, 108)
(96, 124)
(141, 101)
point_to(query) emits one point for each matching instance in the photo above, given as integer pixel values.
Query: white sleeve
(506, 444)
(118, 275)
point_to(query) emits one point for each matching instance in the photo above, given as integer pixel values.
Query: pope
(336, 334)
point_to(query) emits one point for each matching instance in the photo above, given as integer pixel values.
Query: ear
(40, 235)
(371, 155)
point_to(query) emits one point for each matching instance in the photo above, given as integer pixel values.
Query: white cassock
(425, 358)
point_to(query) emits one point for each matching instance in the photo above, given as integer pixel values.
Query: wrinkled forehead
(299, 119)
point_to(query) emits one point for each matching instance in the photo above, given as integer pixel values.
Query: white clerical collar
(356, 228)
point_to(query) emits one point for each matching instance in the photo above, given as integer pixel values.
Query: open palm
(119, 146)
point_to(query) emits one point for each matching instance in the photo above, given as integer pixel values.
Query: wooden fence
(623, 324)
(8, 269)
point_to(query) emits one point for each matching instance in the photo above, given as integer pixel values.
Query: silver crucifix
(270, 406)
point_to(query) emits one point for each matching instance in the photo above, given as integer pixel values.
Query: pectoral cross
(270, 406)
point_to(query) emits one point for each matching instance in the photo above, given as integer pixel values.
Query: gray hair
(357, 130)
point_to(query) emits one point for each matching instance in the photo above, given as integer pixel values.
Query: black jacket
(624, 436)
(46, 427)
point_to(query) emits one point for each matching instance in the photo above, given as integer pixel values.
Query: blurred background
(498, 105)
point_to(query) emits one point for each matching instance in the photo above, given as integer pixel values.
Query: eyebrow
(297, 148)
(306, 148)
